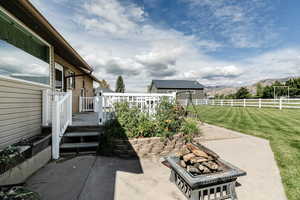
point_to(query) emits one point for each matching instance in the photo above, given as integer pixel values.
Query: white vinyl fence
(104, 103)
(146, 102)
(260, 103)
(58, 112)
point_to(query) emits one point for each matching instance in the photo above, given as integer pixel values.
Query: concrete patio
(107, 178)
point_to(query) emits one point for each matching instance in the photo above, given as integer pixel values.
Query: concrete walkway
(103, 178)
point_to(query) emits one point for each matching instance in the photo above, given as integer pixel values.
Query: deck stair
(80, 140)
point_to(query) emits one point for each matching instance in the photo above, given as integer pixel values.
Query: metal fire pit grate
(214, 186)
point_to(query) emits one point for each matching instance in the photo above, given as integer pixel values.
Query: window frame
(71, 76)
(19, 23)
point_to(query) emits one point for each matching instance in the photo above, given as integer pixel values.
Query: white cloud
(118, 39)
(111, 17)
(245, 24)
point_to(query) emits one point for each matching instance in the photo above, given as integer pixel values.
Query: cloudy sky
(218, 42)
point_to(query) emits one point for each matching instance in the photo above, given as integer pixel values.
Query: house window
(70, 80)
(22, 54)
(59, 77)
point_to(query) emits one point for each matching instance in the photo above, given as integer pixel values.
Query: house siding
(20, 110)
(88, 82)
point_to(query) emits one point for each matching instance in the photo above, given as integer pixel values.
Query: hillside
(213, 90)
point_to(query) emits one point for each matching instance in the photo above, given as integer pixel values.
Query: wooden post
(259, 102)
(222, 102)
(231, 102)
(55, 128)
(244, 102)
(46, 107)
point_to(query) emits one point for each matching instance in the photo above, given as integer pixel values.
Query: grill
(214, 186)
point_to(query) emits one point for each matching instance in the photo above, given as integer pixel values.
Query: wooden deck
(85, 119)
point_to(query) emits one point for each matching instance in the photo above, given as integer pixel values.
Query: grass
(280, 127)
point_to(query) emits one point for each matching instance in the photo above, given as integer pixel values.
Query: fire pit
(200, 174)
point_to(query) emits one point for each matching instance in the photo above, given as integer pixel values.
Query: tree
(268, 92)
(120, 86)
(242, 93)
(104, 84)
(259, 90)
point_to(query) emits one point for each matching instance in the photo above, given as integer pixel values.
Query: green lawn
(280, 127)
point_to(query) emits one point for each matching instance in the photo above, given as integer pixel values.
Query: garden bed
(135, 133)
(19, 161)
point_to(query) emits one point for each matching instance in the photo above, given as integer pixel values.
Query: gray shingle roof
(177, 84)
(104, 90)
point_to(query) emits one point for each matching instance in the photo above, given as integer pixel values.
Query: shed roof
(177, 84)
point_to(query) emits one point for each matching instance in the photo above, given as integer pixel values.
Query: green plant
(169, 117)
(9, 157)
(190, 127)
(18, 193)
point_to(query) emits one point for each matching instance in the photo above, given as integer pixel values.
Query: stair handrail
(61, 119)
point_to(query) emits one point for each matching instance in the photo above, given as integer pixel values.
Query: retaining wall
(146, 147)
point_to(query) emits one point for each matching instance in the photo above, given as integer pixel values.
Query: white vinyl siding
(20, 110)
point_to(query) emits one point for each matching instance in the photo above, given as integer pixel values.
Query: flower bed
(136, 133)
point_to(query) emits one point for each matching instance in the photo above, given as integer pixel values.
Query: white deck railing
(260, 103)
(61, 118)
(86, 104)
(57, 112)
(104, 103)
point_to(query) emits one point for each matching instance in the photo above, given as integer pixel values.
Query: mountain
(226, 90)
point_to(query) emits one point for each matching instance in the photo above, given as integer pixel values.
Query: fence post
(231, 102)
(259, 102)
(55, 128)
(45, 107)
(244, 102)
(70, 105)
(222, 102)
(100, 97)
(80, 104)
(280, 103)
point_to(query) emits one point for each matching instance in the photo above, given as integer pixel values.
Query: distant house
(103, 90)
(183, 88)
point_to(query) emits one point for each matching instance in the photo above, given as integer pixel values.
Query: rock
(188, 157)
(182, 164)
(192, 169)
(196, 150)
(198, 160)
(211, 165)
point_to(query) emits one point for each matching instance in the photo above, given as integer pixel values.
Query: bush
(132, 123)
(190, 127)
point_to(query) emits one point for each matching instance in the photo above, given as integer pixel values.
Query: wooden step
(81, 134)
(79, 145)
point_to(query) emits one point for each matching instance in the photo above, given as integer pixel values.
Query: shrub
(132, 123)
(169, 117)
(190, 127)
